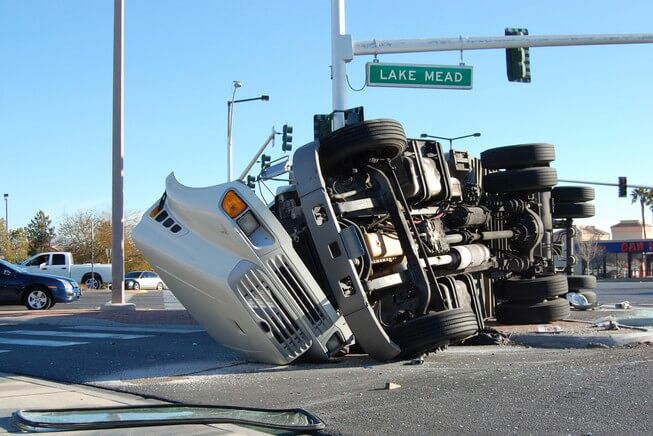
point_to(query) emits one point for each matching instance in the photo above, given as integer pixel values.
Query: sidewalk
(17, 392)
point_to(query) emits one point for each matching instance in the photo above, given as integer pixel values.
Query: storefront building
(624, 259)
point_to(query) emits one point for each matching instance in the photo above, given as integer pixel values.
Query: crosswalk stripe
(89, 335)
(39, 342)
(137, 329)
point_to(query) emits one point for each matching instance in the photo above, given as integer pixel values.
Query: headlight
(67, 285)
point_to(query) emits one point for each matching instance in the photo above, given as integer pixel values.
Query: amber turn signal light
(233, 205)
(154, 212)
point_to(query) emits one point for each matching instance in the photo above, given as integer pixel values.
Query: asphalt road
(464, 390)
(494, 390)
(637, 293)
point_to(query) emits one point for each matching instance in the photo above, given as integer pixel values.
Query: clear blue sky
(593, 103)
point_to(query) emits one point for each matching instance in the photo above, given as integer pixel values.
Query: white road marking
(77, 334)
(39, 342)
(170, 302)
(137, 329)
(5, 351)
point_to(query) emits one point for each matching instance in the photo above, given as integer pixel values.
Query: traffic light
(265, 161)
(251, 182)
(623, 187)
(518, 62)
(286, 138)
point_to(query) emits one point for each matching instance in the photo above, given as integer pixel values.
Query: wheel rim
(91, 283)
(37, 299)
(136, 286)
(159, 287)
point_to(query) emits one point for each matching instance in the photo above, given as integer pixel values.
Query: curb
(581, 341)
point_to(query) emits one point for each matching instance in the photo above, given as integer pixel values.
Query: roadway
(464, 390)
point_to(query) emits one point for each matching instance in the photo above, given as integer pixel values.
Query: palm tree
(645, 197)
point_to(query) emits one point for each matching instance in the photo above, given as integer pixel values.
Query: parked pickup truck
(61, 264)
(386, 240)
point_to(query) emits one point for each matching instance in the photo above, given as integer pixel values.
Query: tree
(4, 239)
(77, 233)
(18, 245)
(40, 233)
(75, 236)
(589, 251)
(645, 197)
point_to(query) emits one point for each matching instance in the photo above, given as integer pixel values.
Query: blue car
(35, 291)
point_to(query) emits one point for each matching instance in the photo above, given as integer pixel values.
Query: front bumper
(251, 293)
(63, 295)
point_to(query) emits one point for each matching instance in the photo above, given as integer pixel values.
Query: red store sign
(636, 247)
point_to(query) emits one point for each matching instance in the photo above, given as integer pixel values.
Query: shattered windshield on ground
(295, 420)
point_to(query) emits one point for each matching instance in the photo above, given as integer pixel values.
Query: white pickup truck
(61, 264)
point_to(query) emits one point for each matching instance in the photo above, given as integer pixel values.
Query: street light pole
(7, 213)
(451, 140)
(230, 120)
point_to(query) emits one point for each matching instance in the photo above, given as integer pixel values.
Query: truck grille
(305, 300)
(256, 290)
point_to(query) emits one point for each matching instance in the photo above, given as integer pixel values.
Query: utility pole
(117, 197)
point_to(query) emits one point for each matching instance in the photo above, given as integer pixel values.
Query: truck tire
(92, 281)
(518, 156)
(535, 289)
(382, 139)
(573, 210)
(521, 180)
(576, 283)
(528, 313)
(37, 299)
(433, 330)
(572, 194)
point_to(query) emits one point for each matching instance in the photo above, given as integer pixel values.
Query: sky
(181, 58)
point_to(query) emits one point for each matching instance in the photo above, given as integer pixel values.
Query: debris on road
(549, 329)
(623, 305)
(391, 386)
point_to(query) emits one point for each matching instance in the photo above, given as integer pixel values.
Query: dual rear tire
(533, 301)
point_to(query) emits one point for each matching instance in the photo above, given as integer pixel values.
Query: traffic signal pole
(343, 49)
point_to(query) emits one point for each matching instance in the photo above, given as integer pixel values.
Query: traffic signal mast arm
(344, 48)
(604, 184)
(260, 151)
(387, 46)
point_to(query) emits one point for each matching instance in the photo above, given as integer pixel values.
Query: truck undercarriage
(398, 246)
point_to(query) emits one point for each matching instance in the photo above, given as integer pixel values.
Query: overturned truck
(379, 240)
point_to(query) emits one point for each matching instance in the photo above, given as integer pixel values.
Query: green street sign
(419, 76)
